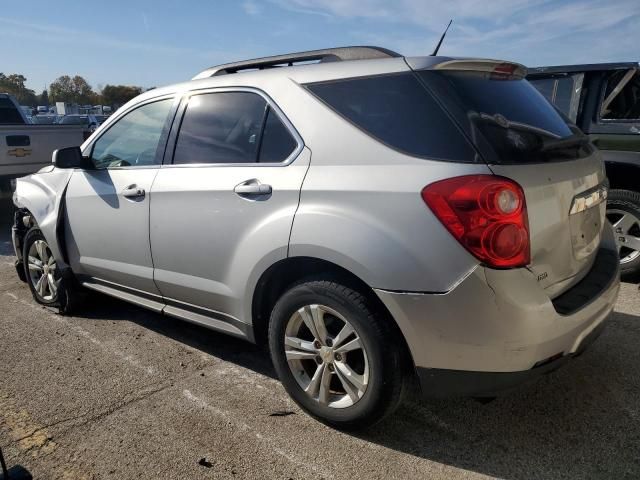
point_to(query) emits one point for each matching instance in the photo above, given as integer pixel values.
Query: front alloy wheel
(42, 271)
(326, 356)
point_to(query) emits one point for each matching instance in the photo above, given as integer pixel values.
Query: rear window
(518, 123)
(9, 113)
(399, 112)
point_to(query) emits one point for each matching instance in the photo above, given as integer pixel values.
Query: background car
(604, 101)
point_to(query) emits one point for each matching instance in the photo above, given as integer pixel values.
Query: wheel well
(623, 176)
(282, 275)
(23, 220)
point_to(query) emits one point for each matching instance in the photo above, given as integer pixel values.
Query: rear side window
(514, 119)
(564, 92)
(231, 127)
(398, 111)
(277, 141)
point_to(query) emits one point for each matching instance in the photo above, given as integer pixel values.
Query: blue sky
(156, 42)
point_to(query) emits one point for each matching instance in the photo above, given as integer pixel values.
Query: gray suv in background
(368, 216)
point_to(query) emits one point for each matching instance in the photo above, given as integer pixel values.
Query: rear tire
(49, 285)
(623, 211)
(361, 374)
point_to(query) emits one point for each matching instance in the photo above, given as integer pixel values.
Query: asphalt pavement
(121, 393)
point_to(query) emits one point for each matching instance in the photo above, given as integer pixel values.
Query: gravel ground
(123, 393)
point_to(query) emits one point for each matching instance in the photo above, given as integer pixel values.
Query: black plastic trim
(603, 272)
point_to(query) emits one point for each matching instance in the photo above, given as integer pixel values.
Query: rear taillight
(487, 214)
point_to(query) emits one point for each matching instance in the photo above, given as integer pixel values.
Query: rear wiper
(558, 144)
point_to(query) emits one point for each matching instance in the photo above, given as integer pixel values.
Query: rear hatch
(523, 137)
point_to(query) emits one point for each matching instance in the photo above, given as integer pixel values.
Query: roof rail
(288, 60)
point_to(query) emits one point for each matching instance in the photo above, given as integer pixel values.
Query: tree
(14, 84)
(118, 95)
(71, 90)
(43, 99)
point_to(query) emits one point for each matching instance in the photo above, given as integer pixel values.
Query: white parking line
(128, 358)
(270, 443)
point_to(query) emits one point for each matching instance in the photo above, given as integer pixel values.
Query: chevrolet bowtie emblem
(19, 152)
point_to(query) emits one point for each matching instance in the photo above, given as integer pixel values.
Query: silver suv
(372, 218)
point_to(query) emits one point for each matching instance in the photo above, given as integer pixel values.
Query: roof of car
(318, 66)
(290, 59)
(589, 67)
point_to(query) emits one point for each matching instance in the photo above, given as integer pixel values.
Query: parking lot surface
(119, 392)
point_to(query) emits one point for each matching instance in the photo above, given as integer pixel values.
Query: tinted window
(221, 128)
(563, 92)
(133, 139)
(277, 141)
(398, 111)
(518, 123)
(9, 113)
(546, 86)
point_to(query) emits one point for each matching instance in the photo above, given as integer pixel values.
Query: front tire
(49, 285)
(623, 211)
(337, 357)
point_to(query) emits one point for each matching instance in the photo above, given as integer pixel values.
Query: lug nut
(316, 344)
(338, 357)
(319, 360)
(329, 342)
(331, 367)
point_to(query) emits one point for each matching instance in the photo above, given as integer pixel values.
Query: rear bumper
(498, 328)
(439, 383)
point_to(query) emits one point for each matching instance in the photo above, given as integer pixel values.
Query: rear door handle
(133, 191)
(253, 188)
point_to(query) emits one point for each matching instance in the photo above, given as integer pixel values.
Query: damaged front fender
(41, 197)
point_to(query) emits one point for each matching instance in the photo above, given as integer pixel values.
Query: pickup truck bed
(25, 149)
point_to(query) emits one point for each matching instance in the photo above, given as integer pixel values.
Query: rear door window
(516, 122)
(396, 110)
(232, 127)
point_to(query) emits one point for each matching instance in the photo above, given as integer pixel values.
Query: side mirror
(70, 157)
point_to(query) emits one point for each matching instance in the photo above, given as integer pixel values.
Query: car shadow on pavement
(579, 422)
(582, 421)
(219, 345)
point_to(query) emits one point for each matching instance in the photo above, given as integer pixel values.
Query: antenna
(435, 52)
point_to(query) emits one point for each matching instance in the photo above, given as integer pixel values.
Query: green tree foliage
(14, 84)
(43, 98)
(71, 90)
(118, 95)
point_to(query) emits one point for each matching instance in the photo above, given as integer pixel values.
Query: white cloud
(251, 7)
(526, 30)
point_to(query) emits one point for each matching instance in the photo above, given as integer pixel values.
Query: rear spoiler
(494, 67)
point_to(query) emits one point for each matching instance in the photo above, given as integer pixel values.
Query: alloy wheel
(326, 356)
(626, 228)
(42, 270)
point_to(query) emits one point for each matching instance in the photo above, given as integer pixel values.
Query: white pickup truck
(26, 148)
